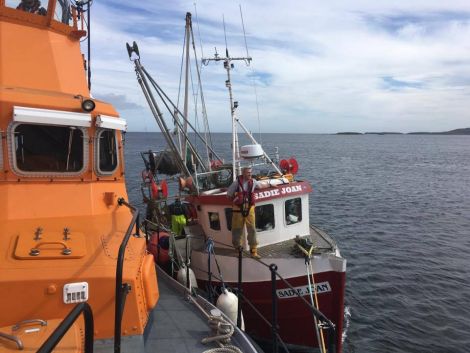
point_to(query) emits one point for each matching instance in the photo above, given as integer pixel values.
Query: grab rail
(123, 289)
(325, 322)
(64, 326)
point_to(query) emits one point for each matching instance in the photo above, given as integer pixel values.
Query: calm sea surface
(399, 208)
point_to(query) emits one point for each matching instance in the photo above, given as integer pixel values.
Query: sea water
(399, 209)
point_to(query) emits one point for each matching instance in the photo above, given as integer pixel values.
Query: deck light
(88, 105)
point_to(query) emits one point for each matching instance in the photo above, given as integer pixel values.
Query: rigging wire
(195, 96)
(207, 132)
(198, 31)
(253, 81)
(244, 34)
(162, 94)
(181, 71)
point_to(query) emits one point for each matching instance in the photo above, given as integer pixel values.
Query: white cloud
(322, 65)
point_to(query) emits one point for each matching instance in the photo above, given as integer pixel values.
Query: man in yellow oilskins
(241, 192)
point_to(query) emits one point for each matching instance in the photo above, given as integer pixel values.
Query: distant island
(464, 131)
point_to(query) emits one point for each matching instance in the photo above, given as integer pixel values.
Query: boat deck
(178, 325)
(317, 238)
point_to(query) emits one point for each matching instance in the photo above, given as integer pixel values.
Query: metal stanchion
(240, 268)
(273, 269)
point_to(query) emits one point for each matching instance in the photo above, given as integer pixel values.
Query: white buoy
(181, 277)
(228, 304)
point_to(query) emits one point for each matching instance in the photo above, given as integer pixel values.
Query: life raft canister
(158, 246)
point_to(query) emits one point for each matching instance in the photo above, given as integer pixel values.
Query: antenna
(225, 35)
(228, 66)
(244, 34)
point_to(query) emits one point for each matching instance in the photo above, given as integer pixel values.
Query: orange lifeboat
(61, 176)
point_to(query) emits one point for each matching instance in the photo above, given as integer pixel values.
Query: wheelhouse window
(44, 148)
(38, 7)
(214, 220)
(293, 210)
(107, 158)
(264, 217)
(62, 12)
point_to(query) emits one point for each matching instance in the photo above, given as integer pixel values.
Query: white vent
(75, 292)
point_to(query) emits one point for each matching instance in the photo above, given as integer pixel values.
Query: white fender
(228, 304)
(181, 277)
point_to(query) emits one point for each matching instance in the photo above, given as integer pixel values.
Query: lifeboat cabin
(61, 176)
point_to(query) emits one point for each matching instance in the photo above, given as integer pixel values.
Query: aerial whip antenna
(225, 35)
(247, 62)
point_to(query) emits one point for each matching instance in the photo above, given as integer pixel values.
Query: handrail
(123, 289)
(329, 326)
(64, 326)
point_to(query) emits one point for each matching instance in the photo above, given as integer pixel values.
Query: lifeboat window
(31, 6)
(264, 217)
(214, 220)
(228, 216)
(63, 12)
(293, 209)
(107, 157)
(42, 148)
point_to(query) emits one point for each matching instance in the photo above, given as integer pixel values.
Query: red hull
(296, 325)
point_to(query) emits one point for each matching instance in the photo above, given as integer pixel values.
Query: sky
(318, 66)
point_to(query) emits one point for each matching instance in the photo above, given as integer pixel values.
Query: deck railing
(274, 325)
(64, 326)
(122, 289)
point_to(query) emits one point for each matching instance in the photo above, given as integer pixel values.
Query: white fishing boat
(294, 293)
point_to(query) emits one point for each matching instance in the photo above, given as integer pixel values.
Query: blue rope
(211, 251)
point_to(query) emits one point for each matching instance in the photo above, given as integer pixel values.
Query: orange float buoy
(158, 246)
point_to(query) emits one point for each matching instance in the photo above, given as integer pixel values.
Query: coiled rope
(222, 331)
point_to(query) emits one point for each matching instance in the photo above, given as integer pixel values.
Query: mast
(186, 87)
(228, 65)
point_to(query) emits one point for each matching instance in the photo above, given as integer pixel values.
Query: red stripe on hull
(296, 325)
